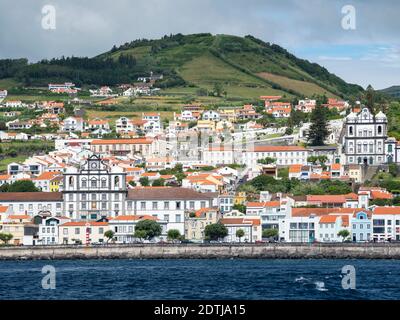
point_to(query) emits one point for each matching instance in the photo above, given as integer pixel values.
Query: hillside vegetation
(245, 66)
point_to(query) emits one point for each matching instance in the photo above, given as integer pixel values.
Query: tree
(109, 234)
(144, 181)
(173, 234)
(21, 186)
(6, 237)
(239, 234)
(369, 99)
(318, 131)
(312, 159)
(239, 207)
(151, 228)
(218, 90)
(158, 182)
(140, 234)
(270, 233)
(132, 183)
(267, 160)
(215, 231)
(344, 234)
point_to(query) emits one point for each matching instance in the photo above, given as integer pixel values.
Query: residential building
(196, 222)
(82, 232)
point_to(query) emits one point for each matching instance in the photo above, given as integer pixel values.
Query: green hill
(393, 91)
(245, 66)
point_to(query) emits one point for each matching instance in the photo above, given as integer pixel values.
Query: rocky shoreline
(202, 251)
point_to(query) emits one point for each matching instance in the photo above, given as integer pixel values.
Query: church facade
(94, 190)
(365, 140)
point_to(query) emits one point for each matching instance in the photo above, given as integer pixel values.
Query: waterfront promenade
(207, 251)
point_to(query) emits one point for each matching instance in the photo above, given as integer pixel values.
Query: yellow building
(196, 222)
(240, 198)
(205, 125)
(55, 184)
(15, 225)
(228, 114)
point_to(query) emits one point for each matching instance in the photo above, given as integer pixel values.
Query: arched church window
(379, 129)
(71, 181)
(116, 181)
(93, 183)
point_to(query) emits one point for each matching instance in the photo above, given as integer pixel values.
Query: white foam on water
(320, 286)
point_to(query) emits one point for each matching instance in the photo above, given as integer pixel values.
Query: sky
(317, 30)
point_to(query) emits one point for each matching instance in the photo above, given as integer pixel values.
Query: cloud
(90, 27)
(323, 58)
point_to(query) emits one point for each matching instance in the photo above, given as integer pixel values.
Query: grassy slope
(246, 67)
(307, 88)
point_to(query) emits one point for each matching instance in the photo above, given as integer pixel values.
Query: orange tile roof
(123, 141)
(133, 218)
(83, 223)
(381, 195)
(256, 222)
(328, 219)
(3, 209)
(295, 168)
(19, 216)
(264, 204)
(335, 166)
(306, 212)
(47, 175)
(278, 148)
(386, 210)
(327, 198)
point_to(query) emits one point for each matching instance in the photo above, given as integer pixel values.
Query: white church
(365, 140)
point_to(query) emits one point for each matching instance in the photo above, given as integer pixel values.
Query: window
(178, 205)
(166, 217)
(116, 181)
(84, 183)
(178, 218)
(77, 230)
(166, 205)
(379, 129)
(143, 205)
(65, 231)
(154, 205)
(103, 183)
(101, 230)
(191, 204)
(93, 183)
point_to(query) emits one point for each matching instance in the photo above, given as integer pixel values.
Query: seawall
(202, 251)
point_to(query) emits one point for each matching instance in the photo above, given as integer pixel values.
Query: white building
(94, 190)
(211, 115)
(31, 203)
(124, 227)
(71, 124)
(365, 139)
(386, 223)
(48, 230)
(167, 204)
(251, 226)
